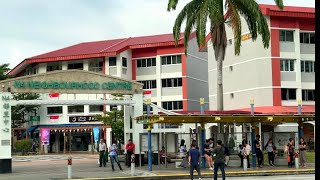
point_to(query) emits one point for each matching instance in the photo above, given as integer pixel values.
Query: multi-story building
(278, 76)
(177, 81)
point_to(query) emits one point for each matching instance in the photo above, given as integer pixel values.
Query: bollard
(296, 162)
(245, 162)
(69, 167)
(133, 165)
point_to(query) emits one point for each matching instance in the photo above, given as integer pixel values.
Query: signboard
(143, 121)
(34, 118)
(75, 119)
(45, 136)
(5, 125)
(72, 85)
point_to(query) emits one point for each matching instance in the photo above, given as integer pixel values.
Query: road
(294, 177)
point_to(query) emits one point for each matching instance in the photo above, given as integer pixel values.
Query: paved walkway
(86, 166)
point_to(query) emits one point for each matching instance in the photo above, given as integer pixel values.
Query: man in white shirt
(102, 152)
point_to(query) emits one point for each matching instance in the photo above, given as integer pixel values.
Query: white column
(158, 75)
(137, 128)
(64, 65)
(298, 62)
(86, 65)
(42, 68)
(119, 66)
(108, 138)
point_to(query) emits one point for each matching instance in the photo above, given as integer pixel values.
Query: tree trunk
(219, 79)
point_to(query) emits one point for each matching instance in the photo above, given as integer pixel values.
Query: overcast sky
(33, 27)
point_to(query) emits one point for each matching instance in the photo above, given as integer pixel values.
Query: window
(75, 66)
(54, 66)
(95, 108)
(149, 62)
(124, 62)
(287, 65)
(307, 66)
(286, 36)
(96, 66)
(112, 61)
(31, 70)
(308, 95)
(166, 60)
(150, 84)
(174, 82)
(172, 105)
(145, 107)
(54, 110)
(307, 38)
(288, 94)
(75, 109)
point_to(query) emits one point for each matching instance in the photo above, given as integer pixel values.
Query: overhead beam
(73, 102)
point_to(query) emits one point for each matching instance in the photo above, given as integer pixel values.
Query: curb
(210, 175)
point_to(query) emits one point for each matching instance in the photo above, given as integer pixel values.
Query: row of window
(288, 65)
(305, 38)
(75, 109)
(291, 94)
(171, 82)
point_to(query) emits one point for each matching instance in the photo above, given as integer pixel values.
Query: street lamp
(114, 108)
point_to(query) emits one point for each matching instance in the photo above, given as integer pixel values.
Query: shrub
(23, 146)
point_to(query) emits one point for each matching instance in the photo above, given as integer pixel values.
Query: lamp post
(114, 108)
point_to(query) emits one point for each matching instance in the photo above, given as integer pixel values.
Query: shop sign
(72, 85)
(5, 125)
(74, 119)
(34, 118)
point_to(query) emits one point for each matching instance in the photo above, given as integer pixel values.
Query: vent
(231, 95)
(230, 68)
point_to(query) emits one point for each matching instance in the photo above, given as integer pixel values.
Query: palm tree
(4, 69)
(196, 14)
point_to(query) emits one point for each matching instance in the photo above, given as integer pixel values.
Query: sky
(33, 27)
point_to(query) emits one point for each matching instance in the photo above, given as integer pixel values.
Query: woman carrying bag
(271, 151)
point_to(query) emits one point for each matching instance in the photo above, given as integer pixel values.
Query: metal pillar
(300, 127)
(203, 134)
(253, 136)
(149, 139)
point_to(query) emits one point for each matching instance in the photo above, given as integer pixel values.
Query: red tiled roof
(101, 48)
(281, 110)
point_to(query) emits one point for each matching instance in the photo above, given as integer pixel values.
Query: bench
(177, 162)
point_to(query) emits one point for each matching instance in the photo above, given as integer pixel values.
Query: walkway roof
(224, 118)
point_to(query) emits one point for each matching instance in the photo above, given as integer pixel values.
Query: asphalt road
(294, 177)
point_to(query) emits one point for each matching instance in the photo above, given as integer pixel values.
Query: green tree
(117, 124)
(196, 14)
(20, 113)
(4, 69)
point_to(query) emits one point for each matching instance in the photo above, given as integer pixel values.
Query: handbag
(288, 158)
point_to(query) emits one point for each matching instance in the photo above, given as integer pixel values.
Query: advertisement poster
(45, 136)
(96, 133)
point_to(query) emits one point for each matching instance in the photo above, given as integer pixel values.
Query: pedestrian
(258, 150)
(226, 155)
(271, 151)
(240, 154)
(114, 155)
(218, 153)
(302, 152)
(194, 157)
(102, 152)
(162, 155)
(208, 154)
(246, 151)
(289, 149)
(130, 150)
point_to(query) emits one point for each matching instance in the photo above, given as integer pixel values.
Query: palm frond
(172, 4)
(279, 3)
(191, 20)
(235, 21)
(201, 23)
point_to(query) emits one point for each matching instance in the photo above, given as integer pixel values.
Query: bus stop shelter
(225, 119)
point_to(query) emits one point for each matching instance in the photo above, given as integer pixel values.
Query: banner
(45, 136)
(96, 134)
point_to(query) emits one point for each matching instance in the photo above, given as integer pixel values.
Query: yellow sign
(201, 100)
(246, 37)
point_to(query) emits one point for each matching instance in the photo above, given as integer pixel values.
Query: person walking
(194, 157)
(302, 152)
(240, 154)
(258, 150)
(289, 149)
(114, 155)
(130, 150)
(208, 155)
(271, 151)
(102, 152)
(218, 153)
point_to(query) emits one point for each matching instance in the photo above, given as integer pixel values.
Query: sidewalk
(161, 172)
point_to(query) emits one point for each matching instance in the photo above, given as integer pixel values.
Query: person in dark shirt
(258, 150)
(194, 156)
(207, 155)
(226, 155)
(218, 153)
